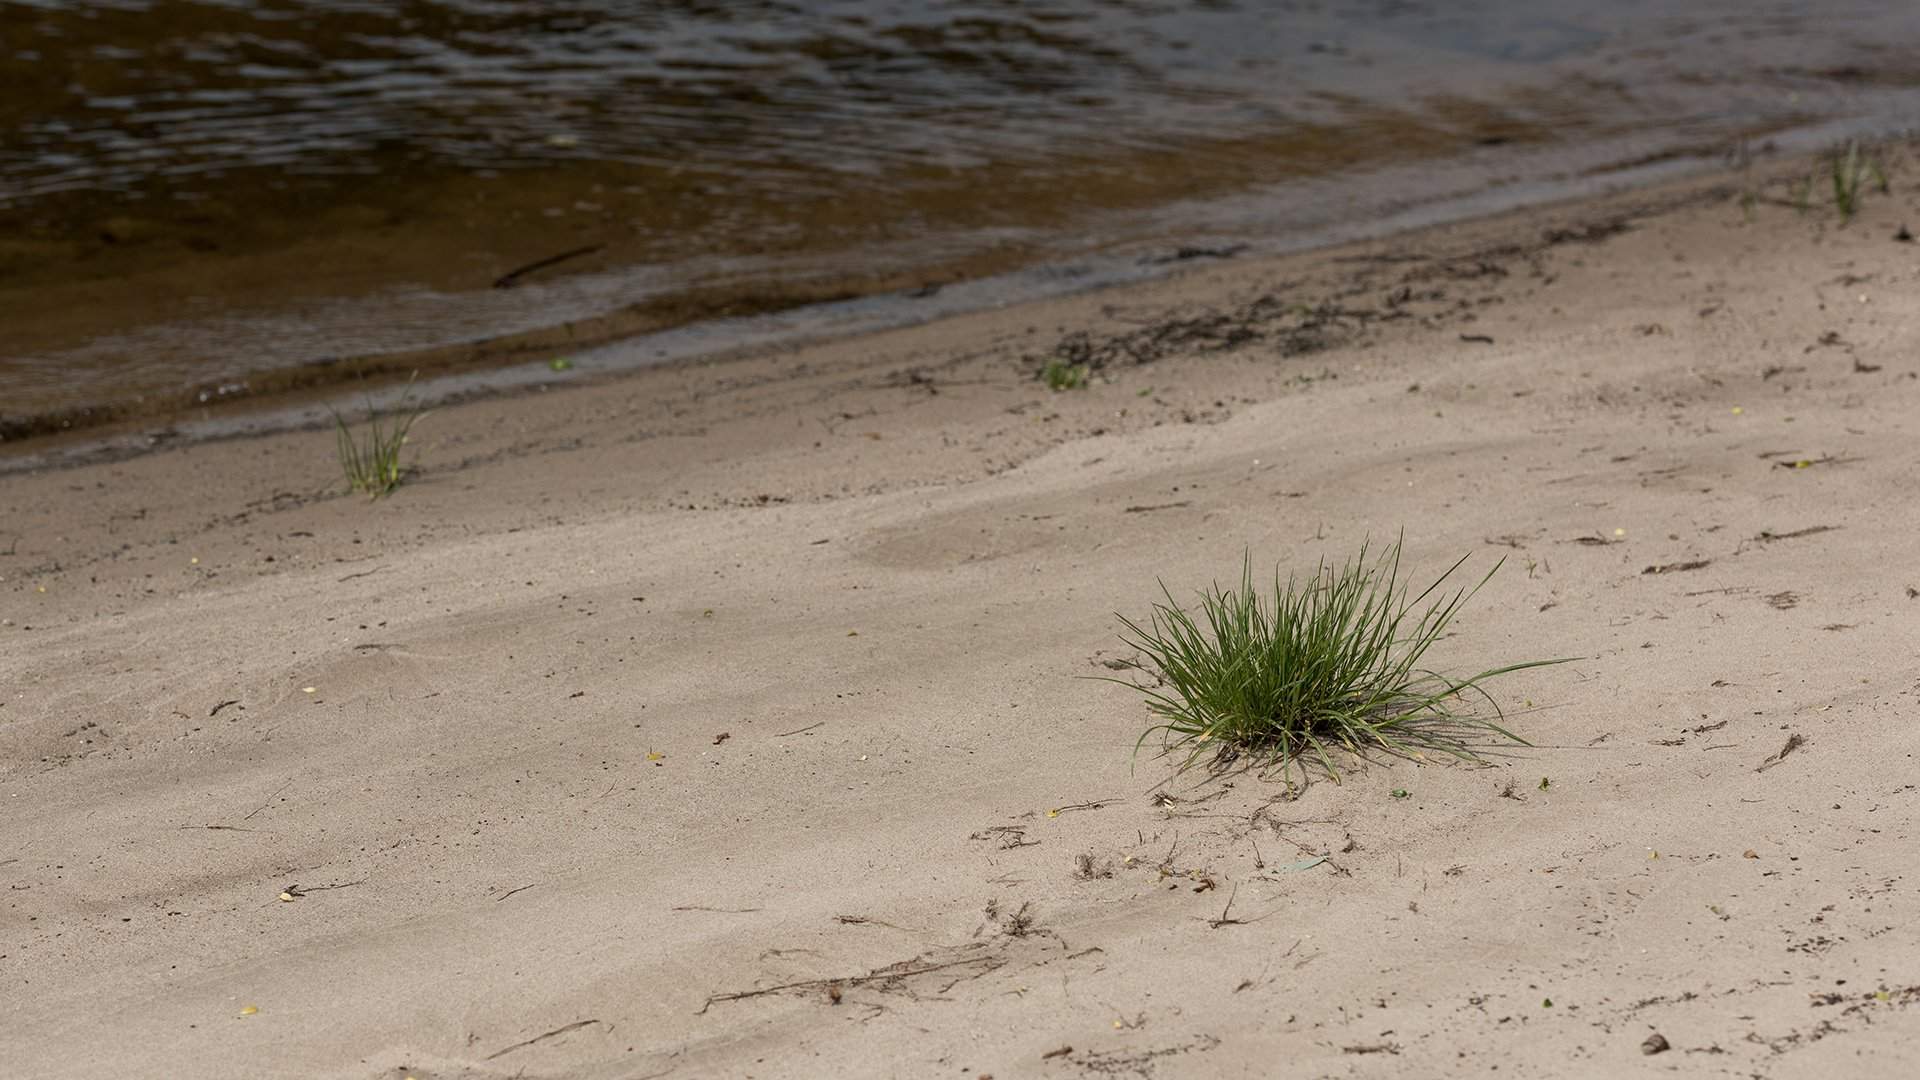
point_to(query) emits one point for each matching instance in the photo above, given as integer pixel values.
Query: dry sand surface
(729, 720)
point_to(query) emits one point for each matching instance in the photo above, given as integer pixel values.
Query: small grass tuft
(371, 460)
(1849, 172)
(1060, 375)
(1323, 664)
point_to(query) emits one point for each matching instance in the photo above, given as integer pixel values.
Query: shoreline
(722, 319)
(726, 718)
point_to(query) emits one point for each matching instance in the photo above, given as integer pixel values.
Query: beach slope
(733, 719)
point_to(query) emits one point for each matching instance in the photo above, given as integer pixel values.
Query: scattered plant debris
(542, 1037)
(1225, 918)
(1097, 804)
(952, 966)
(1766, 536)
(1189, 252)
(1678, 567)
(1086, 869)
(512, 277)
(1794, 742)
(1007, 836)
(1020, 923)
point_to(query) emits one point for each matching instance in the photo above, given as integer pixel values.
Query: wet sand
(216, 207)
(726, 719)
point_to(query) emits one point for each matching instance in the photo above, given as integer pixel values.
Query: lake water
(210, 200)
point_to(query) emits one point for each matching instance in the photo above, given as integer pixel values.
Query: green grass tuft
(371, 459)
(1850, 172)
(1060, 375)
(1330, 663)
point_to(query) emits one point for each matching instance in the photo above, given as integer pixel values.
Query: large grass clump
(1329, 663)
(370, 460)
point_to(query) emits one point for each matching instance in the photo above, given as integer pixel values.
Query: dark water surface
(218, 199)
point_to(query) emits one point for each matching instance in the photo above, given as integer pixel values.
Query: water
(213, 200)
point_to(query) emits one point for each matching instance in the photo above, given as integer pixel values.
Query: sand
(730, 720)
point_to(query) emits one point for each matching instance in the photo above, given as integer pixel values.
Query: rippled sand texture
(202, 201)
(729, 720)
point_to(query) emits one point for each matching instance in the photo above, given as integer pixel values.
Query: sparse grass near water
(1847, 172)
(1318, 665)
(1060, 375)
(370, 459)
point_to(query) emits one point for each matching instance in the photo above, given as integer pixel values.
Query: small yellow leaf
(1619, 532)
(309, 689)
(194, 561)
(1053, 813)
(653, 755)
(249, 1010)
(286, 898)
(1737, 410)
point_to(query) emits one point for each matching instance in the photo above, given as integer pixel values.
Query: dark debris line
(1298, 329)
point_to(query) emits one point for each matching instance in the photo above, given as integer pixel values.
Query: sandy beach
(733, 719)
